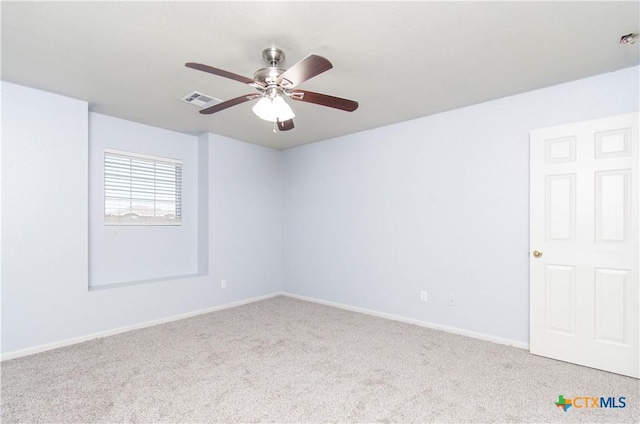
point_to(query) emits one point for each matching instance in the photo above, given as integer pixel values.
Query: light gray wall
(246, 215)
(368, 220)
(44, 217)
(119, 254)
(438, 204)
(45, 296)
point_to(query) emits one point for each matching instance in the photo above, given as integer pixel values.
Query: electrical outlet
(423, 296)
(452, 301)
(223, 284)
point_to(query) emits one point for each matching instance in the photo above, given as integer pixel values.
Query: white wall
(120, 254)
(439, 203)
(45, 296)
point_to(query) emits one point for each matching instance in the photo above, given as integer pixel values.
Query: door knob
(537, 253)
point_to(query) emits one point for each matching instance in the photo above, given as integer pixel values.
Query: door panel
(613, 206)
(560, 205)
(560, 297)
(612, 305)
(584, 289)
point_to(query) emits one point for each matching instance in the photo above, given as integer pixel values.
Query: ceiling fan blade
(226, 104)
(325, 100)
(285, 125)
(220, 72)
(307, 68)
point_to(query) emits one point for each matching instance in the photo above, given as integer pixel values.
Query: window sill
(141, 223)
(140, 282)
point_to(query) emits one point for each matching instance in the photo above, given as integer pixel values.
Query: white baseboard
(459, 331)
(81, 339)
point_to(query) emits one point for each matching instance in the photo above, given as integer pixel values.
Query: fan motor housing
(267, 76)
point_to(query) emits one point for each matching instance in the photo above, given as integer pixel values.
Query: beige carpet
(286, 360)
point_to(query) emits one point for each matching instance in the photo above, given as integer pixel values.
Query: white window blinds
(141, 190)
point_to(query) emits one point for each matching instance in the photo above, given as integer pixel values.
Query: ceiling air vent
(200, 100)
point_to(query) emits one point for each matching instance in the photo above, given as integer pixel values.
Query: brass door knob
(537, 253)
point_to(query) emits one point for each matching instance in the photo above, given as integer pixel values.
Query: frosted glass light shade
(273, 110)
(264, 109)
(283, 110)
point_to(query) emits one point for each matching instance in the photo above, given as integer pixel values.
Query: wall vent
(200, 100)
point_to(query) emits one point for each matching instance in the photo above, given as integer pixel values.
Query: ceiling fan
(274, 85)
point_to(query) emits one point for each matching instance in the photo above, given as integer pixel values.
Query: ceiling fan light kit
(275, 84)
(273, 109)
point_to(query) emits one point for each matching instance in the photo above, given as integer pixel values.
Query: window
(141, 189)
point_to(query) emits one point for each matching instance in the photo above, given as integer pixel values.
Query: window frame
(143, 220)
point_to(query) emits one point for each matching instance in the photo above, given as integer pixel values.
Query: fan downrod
(268, 76)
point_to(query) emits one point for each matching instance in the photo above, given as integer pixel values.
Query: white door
(584, 289)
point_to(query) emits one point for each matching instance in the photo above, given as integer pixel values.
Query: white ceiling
(399, 60)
